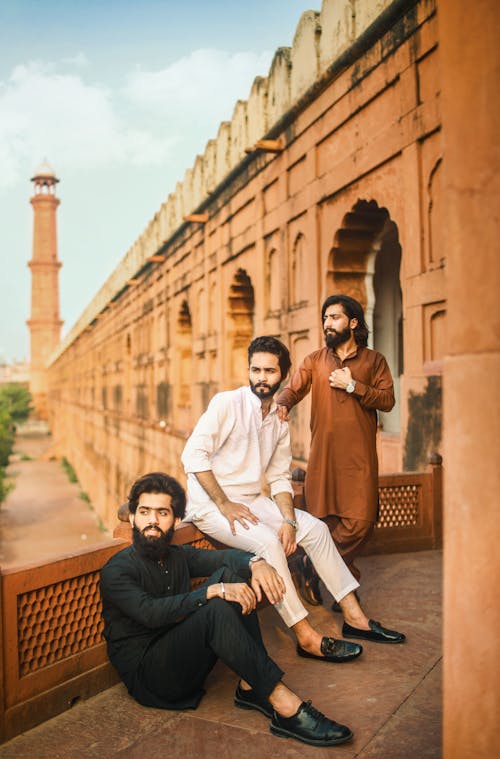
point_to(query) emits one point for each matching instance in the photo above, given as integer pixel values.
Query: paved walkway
(44, 515)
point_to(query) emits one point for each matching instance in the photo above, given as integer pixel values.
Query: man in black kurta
(164, 638)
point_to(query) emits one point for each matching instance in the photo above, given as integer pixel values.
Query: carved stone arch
(435, 213)
(347, 261)
(201, 322)
(241, 303)
(183, 367)
(273, 281)
(364, 263)
(184, 323)
(299, 272)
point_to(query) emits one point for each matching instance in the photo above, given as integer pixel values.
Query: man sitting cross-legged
(237, 442)
(164, 638)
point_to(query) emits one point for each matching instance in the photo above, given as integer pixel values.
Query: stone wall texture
(353, 202)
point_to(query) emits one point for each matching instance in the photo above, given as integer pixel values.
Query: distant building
(18, 372)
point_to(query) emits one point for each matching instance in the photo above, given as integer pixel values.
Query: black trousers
(178, 662)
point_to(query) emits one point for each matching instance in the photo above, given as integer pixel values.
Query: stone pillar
(44, 323)
(470, 68)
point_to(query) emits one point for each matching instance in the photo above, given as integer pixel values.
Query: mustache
(152, 527)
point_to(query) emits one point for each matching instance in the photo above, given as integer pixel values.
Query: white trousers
(262, 539)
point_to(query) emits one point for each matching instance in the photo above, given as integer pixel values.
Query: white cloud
(199, 86)
(52, 109)
(44, 112)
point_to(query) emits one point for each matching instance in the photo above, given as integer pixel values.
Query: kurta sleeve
(121, 586)
(379, 394)
(203, 562)
(278, 470)
(211, 431)
(298, 387)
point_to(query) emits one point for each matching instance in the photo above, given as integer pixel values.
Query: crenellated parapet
(320, 38)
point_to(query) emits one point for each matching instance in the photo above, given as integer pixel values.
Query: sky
(119, 97)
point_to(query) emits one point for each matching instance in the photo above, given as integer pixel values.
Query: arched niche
(241, 304)
(183, 366)
(273, 281)
(300, 273)
(364, 263)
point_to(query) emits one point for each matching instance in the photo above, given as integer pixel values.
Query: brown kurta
(342, 473)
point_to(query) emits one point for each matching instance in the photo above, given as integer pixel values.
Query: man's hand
(238, 592)
(237, 512)
(265, 578)
(282, 413)
(288, 538)
(340, 378)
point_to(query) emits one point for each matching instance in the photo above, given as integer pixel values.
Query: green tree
(14, 408)
(6, 435)
(16, 399)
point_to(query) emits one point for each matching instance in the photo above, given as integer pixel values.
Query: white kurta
(233, 441)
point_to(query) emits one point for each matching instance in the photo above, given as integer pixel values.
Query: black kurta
(142, 600)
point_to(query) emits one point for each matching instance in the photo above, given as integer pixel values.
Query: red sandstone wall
(471, 117)
(357, 188)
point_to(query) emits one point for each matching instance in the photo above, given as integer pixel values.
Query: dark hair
(267, 344)
(352, 309)
(157, 482)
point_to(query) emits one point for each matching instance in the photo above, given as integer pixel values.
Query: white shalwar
(233, 441)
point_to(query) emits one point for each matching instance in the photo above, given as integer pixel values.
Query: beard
(262, 390)
(152, 548)
(334, 338)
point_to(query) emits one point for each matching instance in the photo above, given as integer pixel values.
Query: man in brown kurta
(349, 383)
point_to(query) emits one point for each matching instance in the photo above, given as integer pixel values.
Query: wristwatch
(254, 560)
(350, 386)
(292, 522)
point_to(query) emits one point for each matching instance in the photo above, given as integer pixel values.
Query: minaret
(44, 324)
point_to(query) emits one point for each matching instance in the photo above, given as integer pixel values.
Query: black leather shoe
(376, 633)
(249, 699)
(308, 581)
(333, 650)
(310, 726)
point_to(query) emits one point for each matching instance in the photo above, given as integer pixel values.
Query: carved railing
(410, 509)
(53, 651)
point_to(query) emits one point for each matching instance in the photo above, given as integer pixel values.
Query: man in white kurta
(239, 442)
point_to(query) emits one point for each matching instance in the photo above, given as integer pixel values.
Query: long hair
(353, 310)
(267, 344)
(158, 482)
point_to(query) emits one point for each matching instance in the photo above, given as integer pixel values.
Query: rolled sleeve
(278, 474)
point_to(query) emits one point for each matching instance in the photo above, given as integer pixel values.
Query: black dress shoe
(333, 650)
(310, 726)
(249, 699)
(308, 581)
(376, 633)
